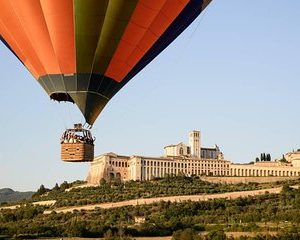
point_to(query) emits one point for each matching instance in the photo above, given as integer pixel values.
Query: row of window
(147, 174)
(191, 168)
(170, 164)
(233, 172)
(183, 165)
(210, 155)
(188, 151)
(256, 172)
(118, 164)
(196, 134)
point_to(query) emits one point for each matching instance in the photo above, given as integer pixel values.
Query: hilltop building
(293, 158)
(192, 159)
(193, 150)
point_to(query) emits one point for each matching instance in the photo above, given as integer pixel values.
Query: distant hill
(9, 195)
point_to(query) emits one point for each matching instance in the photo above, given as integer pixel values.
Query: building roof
(114, 155)
(168, 158)
(214, 149)
(175, 145)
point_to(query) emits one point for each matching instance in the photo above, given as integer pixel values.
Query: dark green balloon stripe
(118, 15)
(89, 20)
(99, 26)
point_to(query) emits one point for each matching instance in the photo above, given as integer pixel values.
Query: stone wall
(236, 180)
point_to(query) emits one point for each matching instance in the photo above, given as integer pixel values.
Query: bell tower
(195, 144)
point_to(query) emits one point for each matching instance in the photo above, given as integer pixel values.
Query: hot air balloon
(85, 51)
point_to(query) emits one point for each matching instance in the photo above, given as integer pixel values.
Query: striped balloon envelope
(85, 51)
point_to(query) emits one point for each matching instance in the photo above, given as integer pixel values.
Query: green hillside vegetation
(9, 195)
(117, 191)
(269, 212)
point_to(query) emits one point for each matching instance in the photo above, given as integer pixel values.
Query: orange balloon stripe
(14, 46)
(59, 18)
(17, 38)
(11, 41)
(141, 20)
(147, 24)
(33, 22)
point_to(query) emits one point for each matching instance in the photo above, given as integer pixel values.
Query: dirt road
(135, 202)
(41, 203)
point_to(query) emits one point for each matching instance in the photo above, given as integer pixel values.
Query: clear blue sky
(234, 74)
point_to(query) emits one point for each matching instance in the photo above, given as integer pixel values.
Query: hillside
(97, 212)
(116, 191)
(79, 194)
(272, 214)
(9, 195)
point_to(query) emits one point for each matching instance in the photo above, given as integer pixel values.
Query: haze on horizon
(233, 75)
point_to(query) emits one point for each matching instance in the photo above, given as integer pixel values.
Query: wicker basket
(77, 152)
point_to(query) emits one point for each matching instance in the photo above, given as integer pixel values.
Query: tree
(257, 159)
(76, 229)
(42, 190)
(108, 234)
(262, 157)
(216, 235)
(283, 159)
(285, 189)
(102, 182)
(64, 185)
(186, 234)
(56, 187)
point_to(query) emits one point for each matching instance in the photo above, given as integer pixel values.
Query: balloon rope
(202, 15)
(69, 114)
(59, 114)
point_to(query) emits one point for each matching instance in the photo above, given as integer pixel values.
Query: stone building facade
(293, 158)
(140, 168)
(194, 149)
(184, 159)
